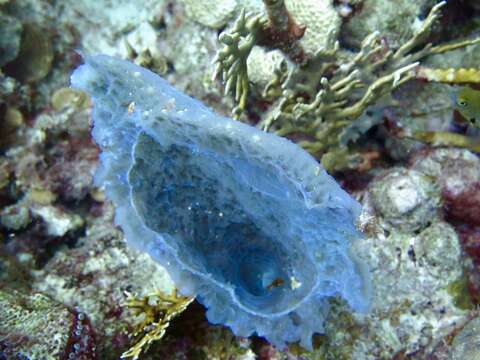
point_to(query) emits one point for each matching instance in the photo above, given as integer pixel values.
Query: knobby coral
(319, 98)
(245, 220)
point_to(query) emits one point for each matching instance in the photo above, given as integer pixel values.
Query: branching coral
(157, 310)
(275, 30)
(320, 97)
(445, 138)
(449, 76)
(232, 59)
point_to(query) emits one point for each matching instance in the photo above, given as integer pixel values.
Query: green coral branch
(231, 60)
(376, 90)
(420, 35)
(276, 30)
(440, 49)
(444, 138)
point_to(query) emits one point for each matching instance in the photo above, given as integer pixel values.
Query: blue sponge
(245, 220)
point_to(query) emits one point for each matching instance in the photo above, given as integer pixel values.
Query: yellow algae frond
(156, 310)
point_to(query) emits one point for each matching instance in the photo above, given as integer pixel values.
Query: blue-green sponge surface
(246, 221)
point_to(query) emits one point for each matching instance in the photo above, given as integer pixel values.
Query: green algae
(458, 289)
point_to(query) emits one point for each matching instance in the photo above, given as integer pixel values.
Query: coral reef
(188, 49)
(396, 23)
(412, 269)
(36, 327)
(76, 278)
(317, 100)
(289, 27)
(458, 174)
(66, 271)
(51, 162)
(405, 200)
(264, 266)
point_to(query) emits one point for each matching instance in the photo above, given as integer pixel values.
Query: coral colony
(317, 96)
(246, 221)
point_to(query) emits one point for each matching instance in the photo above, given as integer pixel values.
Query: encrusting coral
(319, 98)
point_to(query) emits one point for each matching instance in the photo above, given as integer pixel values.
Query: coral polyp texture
(246, 221)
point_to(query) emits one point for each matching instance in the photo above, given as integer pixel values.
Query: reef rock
(214, 14)
(405, 199)
(246, 221)
(379, 15)
(33, 326)
(466, 345)
(10, 41)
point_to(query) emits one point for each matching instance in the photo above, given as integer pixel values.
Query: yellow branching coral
(449, 76)
(156, 311)
(444, 138)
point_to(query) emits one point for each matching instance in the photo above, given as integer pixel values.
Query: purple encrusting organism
(245, 220)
